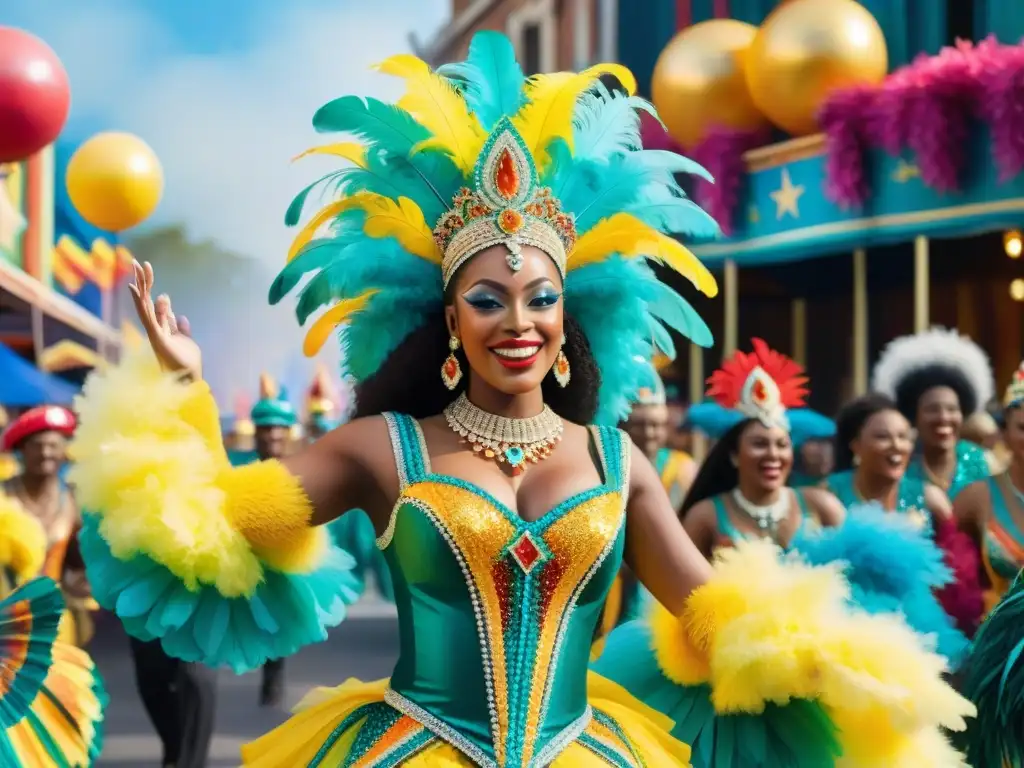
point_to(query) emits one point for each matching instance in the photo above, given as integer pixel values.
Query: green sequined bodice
(496, 615)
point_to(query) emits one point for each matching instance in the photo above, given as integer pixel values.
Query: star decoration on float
(787, 197)
(905, 172)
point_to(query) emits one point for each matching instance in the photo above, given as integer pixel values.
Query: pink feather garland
(929, 107)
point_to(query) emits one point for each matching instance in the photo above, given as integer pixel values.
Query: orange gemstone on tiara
(506, 177)
(510, 221)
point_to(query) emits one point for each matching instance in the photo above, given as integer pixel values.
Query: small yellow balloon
(698, 81)
(115, 181)
(804, 51)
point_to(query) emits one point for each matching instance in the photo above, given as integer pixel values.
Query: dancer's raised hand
(169, 336)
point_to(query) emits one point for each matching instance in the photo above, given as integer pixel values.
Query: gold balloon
(806, 49)
(114, 181)
(698, 81)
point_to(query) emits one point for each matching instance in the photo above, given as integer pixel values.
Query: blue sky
(224, 90)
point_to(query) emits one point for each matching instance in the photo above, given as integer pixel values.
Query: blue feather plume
(606, 124)
(490, 79)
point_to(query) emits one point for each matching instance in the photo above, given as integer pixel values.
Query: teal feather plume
(384, 323)
(490, 79)
(347, 229)
(662, 340)
(360, 266)
(672, 162)
(298, 203)
(993, 679)
(606, 124)
(383, 126)
(678, 215)
(677, 313)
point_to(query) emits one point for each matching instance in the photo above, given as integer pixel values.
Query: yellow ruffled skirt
(304, 738)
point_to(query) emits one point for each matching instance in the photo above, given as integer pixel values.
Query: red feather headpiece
(761, 384)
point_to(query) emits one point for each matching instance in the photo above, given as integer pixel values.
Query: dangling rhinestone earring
(451, 371)
(561, 369)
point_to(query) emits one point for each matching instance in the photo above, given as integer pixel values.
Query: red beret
(45, 418)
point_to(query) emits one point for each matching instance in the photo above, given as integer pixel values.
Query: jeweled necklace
(767, 517)
(516, 442)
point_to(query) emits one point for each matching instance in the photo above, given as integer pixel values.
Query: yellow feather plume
(325, 214)
(347, 150)
(402, 220)
(321, 330)
(552, 100)
(438, 107)
(626, 235)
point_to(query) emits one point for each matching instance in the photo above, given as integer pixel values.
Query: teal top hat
(273, 408)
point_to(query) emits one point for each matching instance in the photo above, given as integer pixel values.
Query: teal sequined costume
(971, 465)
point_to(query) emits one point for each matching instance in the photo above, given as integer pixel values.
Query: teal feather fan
(993, 679)
(374, 258)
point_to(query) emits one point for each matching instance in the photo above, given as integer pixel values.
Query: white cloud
(226, 126)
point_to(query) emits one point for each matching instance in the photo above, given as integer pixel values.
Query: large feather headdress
(586, 193)
(939, 356)
(764, 385)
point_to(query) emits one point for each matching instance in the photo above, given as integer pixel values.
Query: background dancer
(39, 437)
(740, 490)
(938, 378)
(991, 511)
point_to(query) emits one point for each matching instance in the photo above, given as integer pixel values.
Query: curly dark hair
(851, 420)
(910, 390)
(409, 381)
(717, 475)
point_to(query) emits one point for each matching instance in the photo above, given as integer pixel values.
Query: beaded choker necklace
(768, 517)
(515, 442)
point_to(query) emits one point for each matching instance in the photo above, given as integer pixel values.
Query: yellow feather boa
(769, 628)
(22, 540)
(150, 463)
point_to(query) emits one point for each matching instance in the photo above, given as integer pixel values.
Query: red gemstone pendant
(526, 553)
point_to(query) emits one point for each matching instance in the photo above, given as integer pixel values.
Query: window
(531, 48)
(533, 31)
(582, 34)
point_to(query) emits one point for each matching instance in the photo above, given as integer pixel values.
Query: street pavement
(364, 646)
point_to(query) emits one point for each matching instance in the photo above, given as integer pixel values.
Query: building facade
(549, 35)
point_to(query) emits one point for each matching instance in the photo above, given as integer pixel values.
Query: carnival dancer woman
(740, 490)
(503, 518)
(52, 699)
(874, 442)
(991, 511)
(39, 437)
(937, 379)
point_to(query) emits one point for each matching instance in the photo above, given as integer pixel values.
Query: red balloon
(35, 95)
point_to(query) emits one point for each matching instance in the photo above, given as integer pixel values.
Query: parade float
(843, 179)
(62, 210)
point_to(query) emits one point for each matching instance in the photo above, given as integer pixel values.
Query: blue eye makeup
(483, 300)
(547, 298)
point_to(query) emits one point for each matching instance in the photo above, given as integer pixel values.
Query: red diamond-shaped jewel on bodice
(526, 552)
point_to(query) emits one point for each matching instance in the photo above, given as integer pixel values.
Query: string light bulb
(1017, 289)
(1013, 244)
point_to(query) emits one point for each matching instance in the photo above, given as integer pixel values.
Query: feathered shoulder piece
(761, 384)
(1014, 395)
(473, 155)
